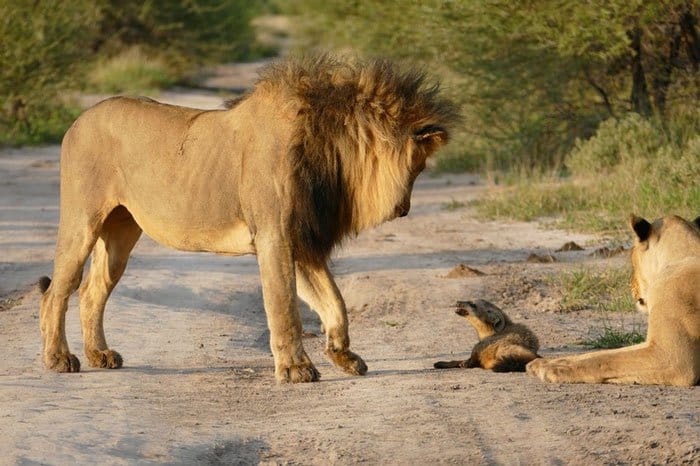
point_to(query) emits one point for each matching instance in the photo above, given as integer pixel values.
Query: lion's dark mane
(338, 102)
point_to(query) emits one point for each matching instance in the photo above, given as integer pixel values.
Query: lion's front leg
(635, 364)
(277, 273)
(316, 286)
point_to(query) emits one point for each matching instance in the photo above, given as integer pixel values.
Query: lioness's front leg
(316, 286)
(641, 364)
(279, 296)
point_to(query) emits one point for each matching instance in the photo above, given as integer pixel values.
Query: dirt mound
(464, 271)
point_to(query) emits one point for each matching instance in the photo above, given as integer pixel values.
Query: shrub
(131, 71)
(41, 57)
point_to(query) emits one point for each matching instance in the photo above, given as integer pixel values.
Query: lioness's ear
(431, 134)
(697, 221)
(641, 227)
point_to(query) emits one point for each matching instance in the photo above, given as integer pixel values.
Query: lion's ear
(431, 134)
(697, 221)
(641, 227)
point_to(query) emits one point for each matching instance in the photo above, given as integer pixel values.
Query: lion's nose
(402, 209)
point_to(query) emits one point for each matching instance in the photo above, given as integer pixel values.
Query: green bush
(131, 71)
(615, 141)
(532, 77)
(41, 57)
(632, 165)
(185, 32)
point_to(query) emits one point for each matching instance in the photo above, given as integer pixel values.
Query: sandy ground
(198, 384)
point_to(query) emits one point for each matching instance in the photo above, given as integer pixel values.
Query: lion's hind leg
(74, 243)
(117, 238)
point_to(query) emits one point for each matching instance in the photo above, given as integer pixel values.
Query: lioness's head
(657, 244)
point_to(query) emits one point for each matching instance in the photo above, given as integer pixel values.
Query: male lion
(666, 283)
(317, 151)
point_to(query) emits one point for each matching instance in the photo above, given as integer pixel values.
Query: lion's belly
(234, 239)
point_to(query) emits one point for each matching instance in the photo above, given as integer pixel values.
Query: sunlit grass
(609, 337)
(132, 71)
(583, 288)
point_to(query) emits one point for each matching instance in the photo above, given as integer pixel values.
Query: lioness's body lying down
(317, 151)
(503, 346)
(666, 283)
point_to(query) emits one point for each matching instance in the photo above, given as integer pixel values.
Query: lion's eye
(641, 301)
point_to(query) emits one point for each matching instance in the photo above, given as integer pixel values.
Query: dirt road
(198, 384)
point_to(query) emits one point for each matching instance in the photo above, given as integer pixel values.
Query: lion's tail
(44, 283)
(515, 362)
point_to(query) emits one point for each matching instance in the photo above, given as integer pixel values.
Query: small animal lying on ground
(503, 345)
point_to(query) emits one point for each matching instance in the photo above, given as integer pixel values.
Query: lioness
(504, 346)
(666, 283)
(319, 150)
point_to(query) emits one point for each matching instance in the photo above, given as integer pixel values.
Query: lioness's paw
(348, 361)
(555, 370)
(536, 367)
(62, 362)
(297, 373)
(108, 359)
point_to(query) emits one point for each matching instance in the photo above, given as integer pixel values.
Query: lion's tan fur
(320, 149)
(666, 283)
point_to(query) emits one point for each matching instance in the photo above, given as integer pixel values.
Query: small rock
(607, 252)
(541, 259)
(570, 246)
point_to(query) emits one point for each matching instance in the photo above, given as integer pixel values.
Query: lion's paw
(108, 359)
(62, 362)
(555, 370)
(297, 373)
(348, 361)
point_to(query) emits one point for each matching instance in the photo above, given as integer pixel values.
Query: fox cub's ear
(499, 323)
(641, 227)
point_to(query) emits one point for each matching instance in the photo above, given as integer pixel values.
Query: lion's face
(656, 244)
(423, 143)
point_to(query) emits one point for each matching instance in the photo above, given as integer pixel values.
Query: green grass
(609, 338)
(132, 71)
(453, 205)
(607, 290)
(46, 124)
(630, 166)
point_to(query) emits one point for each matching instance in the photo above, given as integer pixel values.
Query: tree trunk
(692, 38)
(663, 79)
(640, 94)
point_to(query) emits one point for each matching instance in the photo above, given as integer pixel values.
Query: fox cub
(503, 345)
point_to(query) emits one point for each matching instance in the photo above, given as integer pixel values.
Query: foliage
(607, 290)
(131, 71)
(532, 76)
(184, 31)
(40, 59)
(50, 46)
(632, 165)
(610, 337)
